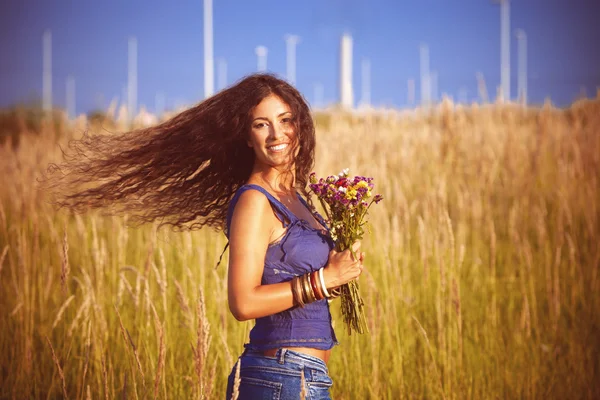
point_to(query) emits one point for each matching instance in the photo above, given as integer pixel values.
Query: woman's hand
(343, 267)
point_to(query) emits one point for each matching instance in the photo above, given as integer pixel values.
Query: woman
(275, 236)
(236, 162)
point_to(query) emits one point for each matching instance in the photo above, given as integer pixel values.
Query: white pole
(290, 45)
(222, 73)
(209, 73)
(261, 55)
(132, 79)
(411, 92)
(425, 77)
(522, 76)
(319, 90)
(346, 93)
(366, 82)
(47, 71)
(70, 97)
(505, 48)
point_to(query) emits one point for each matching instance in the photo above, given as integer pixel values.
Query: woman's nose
(275, 131)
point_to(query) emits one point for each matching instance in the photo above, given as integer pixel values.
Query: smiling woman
(239, 161)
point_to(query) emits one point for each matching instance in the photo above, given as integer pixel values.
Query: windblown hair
(182, 172)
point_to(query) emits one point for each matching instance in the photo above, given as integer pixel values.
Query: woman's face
(272, 134)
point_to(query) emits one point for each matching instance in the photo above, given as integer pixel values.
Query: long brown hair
(182, 172)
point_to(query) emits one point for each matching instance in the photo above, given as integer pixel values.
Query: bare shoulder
(250, 215)
(252, 202)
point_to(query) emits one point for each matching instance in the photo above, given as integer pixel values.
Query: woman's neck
(279, 181)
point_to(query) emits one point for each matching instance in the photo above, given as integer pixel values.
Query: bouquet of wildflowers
(346, 202)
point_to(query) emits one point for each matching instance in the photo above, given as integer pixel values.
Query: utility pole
(47, 72)
(346, 92)
(261, 55)
(290, 45)
(505, 48)
(209, 73)
(425, 77)
(132, 79)
(522, 74)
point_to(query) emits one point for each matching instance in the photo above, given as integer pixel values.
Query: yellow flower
(362, 184)
(351, 193)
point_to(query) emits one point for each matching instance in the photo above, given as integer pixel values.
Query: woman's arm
(249, 236)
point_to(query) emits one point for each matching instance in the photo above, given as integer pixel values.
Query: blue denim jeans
(280, 377)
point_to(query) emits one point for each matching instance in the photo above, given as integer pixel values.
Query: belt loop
(281, 359)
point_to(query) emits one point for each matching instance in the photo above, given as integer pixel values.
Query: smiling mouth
(279, 147)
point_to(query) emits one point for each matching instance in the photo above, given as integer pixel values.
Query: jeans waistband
(285, 355)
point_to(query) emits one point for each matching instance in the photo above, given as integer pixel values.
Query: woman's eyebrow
(265, 118)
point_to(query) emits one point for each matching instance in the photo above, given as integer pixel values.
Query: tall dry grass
(481, 282)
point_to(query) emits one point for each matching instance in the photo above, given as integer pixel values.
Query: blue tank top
(302, 249)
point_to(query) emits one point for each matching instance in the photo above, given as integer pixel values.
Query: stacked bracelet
(297, 291)
(322, 280)
(311, 287)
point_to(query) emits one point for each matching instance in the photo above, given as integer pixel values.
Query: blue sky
(89, 40)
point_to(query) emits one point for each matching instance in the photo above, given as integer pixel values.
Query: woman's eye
(286, 120)
(258, 126)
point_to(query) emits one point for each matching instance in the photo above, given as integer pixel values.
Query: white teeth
(278, 147)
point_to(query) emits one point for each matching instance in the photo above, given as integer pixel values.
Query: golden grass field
(482, 277)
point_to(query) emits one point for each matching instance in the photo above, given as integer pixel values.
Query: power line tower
(290, 46)
(346, 92)
(132, 79)
(425, 76)
(47, 71)
(522, 73)
(209, 72)
(261, 56)
(504, 48)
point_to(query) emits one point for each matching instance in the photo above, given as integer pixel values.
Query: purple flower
(377, 198)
